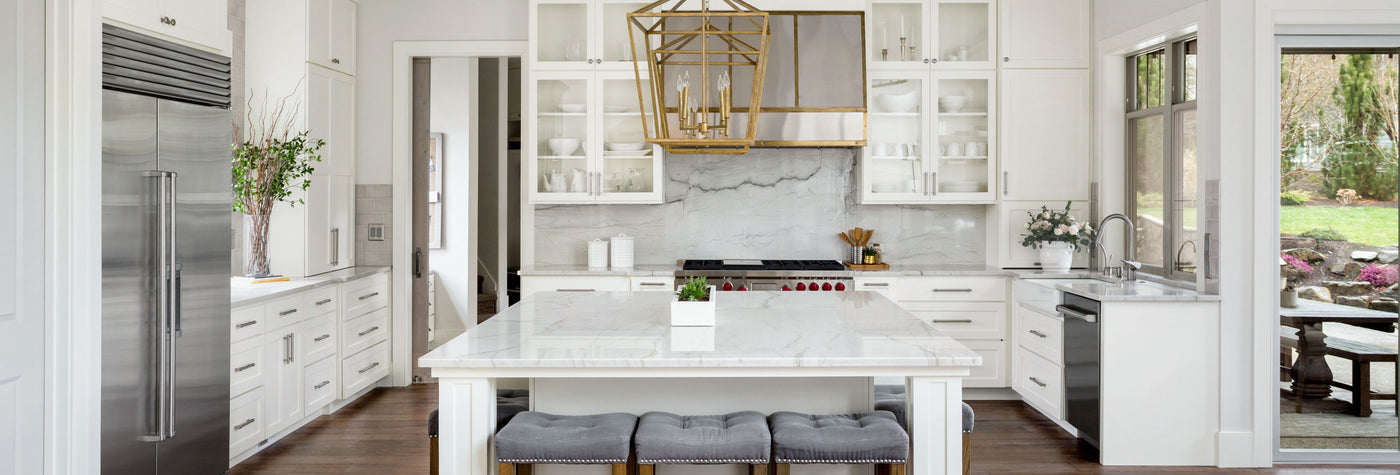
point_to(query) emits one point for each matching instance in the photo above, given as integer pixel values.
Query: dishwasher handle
(1072, 312)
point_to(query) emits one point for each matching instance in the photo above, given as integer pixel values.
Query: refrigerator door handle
(164, 297)
(173, 314)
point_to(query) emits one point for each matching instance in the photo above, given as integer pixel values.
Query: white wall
(1113, 17)
(382, 22)
(453, 81)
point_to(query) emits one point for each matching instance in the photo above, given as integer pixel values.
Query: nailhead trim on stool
(736, 438)
(535, 437)
(864, 438)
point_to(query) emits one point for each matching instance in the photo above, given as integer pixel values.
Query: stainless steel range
(769, 275)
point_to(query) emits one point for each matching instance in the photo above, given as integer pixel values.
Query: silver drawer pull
(322, 385)
(322, 337)
(286, 312)
(244, 424)
(323, 302)
(1037, 333)
(246, 324)
(952, 321)
(953, 290)
(371, 330)
(876, 284)
(369, 295)
(245, 367)
(370, 367)
(653, 284)
(1036, 381)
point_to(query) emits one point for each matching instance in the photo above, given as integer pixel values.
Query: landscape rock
(1307, 255)
(1359, 302)
(1393, 291)
(1320, 294)
(1347, 289)
(1385, 305)
(1291, 242)
(1350, 269)
(1388, 256)
(1364, 256)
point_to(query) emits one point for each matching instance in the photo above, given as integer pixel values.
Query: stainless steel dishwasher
(1082, 359)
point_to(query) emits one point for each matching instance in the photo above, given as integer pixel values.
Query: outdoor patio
(1324, 424)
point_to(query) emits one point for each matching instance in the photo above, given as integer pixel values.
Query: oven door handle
(1071, 312)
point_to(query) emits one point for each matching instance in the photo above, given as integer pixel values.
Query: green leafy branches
(274, 161)
(697, 289)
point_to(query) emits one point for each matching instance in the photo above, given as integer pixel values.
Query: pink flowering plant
(1379, 276)
(1056, 226)
(1297, 264)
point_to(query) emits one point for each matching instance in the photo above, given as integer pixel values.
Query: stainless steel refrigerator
(166, 234)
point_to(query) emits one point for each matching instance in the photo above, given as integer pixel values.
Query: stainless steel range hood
(814, 90)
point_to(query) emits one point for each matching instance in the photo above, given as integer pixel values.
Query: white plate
(573, 108)
(628, 154)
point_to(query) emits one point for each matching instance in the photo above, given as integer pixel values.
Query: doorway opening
(466, 194)
(1339, 227)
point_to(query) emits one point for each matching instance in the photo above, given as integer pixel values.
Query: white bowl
(625, 147)
(952, 103)
(563, 147)
(573, 108)
(962, 187)
(905, 102)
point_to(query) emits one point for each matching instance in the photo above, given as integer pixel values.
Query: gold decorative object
(712, 46)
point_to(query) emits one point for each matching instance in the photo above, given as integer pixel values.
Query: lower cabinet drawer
(365, 331)
(1041, 383)
(320, 382)
(245, 366)
(992, 373)
(246, 322)
(1041, 334)
(653, 284)
(364, 368)
(364, 295)
(963, 320)
(529, 285)
(319, 335)
(953, 289)
(887, 286)
(245, 421)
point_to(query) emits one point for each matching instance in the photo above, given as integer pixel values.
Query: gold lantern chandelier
(719, 48)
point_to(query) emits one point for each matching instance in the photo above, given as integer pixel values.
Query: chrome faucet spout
(1132, 265)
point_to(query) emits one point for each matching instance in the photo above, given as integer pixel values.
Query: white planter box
(694, 314)
(693, 338)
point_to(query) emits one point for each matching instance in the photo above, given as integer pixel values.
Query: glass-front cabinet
(932, 138)
(588, 140)
(582, 34)
(938, 34)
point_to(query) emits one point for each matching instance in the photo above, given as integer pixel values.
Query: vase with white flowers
(1057, 236)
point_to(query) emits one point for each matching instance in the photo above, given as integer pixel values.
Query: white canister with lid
(622, 251)
(598, 254)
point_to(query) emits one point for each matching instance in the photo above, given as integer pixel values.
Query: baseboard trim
(990, 394)
(1235, 450)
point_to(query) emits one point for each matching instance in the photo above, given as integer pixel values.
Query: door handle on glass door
(418, 263)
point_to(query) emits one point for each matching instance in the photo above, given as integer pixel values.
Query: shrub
(1149, 200)
(1379, 276)
(1297, 264)
(1294, 198)
(1346, 196)
(1328, 234)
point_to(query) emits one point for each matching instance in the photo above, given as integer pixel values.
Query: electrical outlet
(376, 232)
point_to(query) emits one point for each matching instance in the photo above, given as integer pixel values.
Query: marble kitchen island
(595, 352)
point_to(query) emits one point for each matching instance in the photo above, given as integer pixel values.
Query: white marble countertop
(894, 271)
(585, 271)
(244, 293)
(1135, 291)
(752, 330)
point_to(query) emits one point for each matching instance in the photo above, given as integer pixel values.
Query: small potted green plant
(1288, 298)
(694, 305)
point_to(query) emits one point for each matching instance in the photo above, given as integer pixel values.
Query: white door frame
(402, 279)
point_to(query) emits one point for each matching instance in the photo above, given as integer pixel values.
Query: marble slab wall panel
(775, 204)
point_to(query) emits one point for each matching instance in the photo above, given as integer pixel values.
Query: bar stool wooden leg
(506, 468)
(897, 469)
(967, 454)
(758, 469)
(619, 469)
(646, 469)
(526, 469)
(783, 469)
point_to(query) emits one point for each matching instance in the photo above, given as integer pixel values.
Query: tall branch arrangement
(271, 159)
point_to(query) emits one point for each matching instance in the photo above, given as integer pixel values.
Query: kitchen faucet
(1130, 267)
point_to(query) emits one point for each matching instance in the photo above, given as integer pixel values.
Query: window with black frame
(1161, 156)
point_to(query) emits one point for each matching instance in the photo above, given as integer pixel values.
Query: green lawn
(1364, 225)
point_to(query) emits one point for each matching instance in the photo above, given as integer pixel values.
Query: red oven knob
(801, 286)
(812, 287)
(841, 286)
(786, 288)
(826, 286)
(743, 289)
(727, 286)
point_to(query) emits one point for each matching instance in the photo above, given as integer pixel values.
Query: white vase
(694, 314)
(1056, 256)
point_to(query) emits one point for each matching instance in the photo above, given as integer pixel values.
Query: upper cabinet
(1046, 116)
(1046, 34)
(331, 34)
(199, 23)
(938, 34)
(582, 34)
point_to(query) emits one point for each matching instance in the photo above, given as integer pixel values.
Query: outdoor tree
(1309, 117)
(1361, 163)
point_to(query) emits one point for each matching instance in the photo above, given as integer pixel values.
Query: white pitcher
(580, 182)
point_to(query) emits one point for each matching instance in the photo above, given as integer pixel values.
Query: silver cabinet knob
(934, 61)
(1006, 59)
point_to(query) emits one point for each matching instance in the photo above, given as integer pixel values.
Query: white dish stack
(622, 251)
(598, 254)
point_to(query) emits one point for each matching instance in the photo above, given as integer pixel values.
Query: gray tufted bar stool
(847, 439)
(537, 438)
(737, 438)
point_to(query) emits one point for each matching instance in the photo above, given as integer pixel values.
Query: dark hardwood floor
(386, 432)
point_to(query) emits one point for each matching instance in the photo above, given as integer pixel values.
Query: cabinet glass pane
(896, 24)
(617, 43)
(562, 145)
(563, 32)
(962, 32)
(963, 135)
(627, 158)
(896, 164)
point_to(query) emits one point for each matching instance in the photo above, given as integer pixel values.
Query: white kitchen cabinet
(1015, 215)
(283, 402)
(582, 122)
(364, 339)
(937, 34)
(886, 286)
(531, 284)
(245, 421)
(331, 33)
(1046, 34)
(1046, 116)
(582, 35)
(199, 23)
(932, 138)
(653, 284)
(972, 310)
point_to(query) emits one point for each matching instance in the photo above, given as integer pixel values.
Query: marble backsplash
(774, 204)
